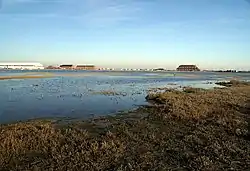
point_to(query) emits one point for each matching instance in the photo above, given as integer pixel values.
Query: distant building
(244, 71)
(226, 71)
(67, 66)
(85, 67)
(159, 69)
(77, 67)
(52, 67)
(21, 66)
(188, 68)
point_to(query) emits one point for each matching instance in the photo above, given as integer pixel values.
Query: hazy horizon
(127, 33)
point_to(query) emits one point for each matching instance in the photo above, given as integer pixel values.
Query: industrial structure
(77, 67)
(188, 68)
(66, 66)
(85, 67)
(21, 66)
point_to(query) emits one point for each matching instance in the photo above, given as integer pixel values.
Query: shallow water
(76, 94)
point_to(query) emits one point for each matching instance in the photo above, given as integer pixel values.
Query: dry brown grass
(189, 130)
(198, 103)
(40, 145)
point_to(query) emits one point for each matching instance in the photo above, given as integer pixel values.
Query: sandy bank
(24, 77)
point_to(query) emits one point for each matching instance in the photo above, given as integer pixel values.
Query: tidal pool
(77, 94)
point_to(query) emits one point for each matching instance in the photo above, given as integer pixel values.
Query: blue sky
(127, 33)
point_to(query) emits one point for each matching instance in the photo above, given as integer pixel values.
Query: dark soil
(183, 130)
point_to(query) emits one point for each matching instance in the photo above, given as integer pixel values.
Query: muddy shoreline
(195, 129)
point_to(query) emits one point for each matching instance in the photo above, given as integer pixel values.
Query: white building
(21, 66)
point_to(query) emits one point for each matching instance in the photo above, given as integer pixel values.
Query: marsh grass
(183, 130)
(233, 83)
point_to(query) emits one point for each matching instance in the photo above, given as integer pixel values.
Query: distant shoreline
(130, 70)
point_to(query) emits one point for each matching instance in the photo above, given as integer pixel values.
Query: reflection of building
(67, 66)
(85, 67)
(188, 68)
(21, 66)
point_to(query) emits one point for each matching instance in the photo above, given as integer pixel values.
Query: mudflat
(193, 129)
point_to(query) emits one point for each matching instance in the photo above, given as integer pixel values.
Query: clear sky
(127, 33)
